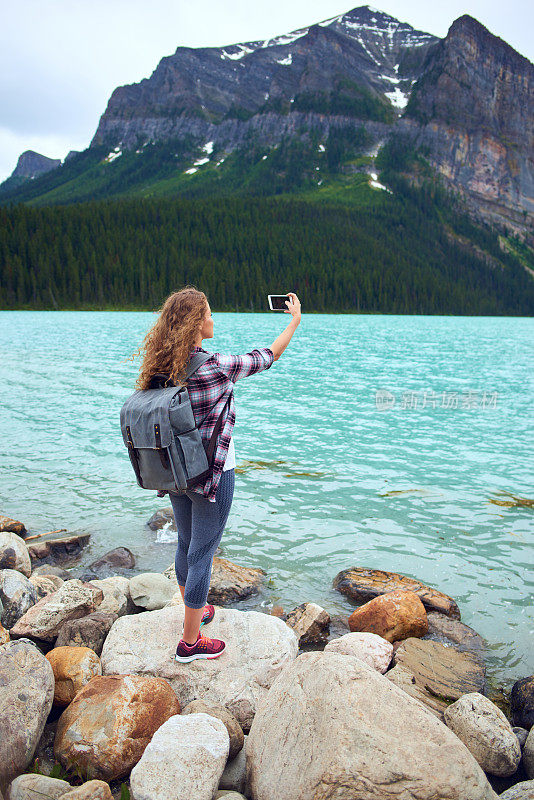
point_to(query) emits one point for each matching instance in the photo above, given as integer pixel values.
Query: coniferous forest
(411, 250)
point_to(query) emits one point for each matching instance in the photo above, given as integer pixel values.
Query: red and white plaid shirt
(211, 385)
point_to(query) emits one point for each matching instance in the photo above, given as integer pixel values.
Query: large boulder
(17, 594)
(117, 598)
(442, 670)
(73, 668)
(89, 631)
(151, 590)
(37, 787)
(106, 728)
(331, 726)
(486, 733)
(404, 679)
(449, 631)
(394, 616)
(45, 584)
(14, 553)
(26, 695)
(528, 755)
(185, 759)
(364, 583)
(72, 600)
(258, 647)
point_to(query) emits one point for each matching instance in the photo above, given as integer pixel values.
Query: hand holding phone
(293, 306)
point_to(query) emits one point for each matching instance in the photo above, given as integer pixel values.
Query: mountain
(473, 108)
(29, 166)
(465, 101)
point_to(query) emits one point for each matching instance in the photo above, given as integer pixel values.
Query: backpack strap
(162, 380)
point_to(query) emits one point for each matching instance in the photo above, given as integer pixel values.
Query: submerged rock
(110, 562)
(441, 670)
(258, 647)
(364, 583)
(358, 735)
(106, 728)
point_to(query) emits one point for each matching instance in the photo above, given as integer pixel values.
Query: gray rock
(371, 648)
(37, 787)
(528, 755)
(10, 541)
(519, 791)
(45, 584)
(89, 631)
(522, 735)
(233, 727)
(118, 558)
(162, 517)
(331, 726)
(443, 670)
(189, 752)
(117, 598)
(151, 590)
(522, 702)
(234, 775)
(449, 631)
(64, 548)
(486, 733)
(258, 647)
(72, 600)
(26, 696)
(52, 569)
(310, 623)
(17, 594)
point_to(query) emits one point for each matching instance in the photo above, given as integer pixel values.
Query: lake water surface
(376, 441)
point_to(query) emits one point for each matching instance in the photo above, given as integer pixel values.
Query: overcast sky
(61, 59)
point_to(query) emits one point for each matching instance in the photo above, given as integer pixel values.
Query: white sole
(185, 659)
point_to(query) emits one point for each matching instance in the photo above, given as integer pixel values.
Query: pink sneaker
(204, 647)
(208, 615)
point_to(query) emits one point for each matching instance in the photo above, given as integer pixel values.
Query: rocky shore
(389, 701)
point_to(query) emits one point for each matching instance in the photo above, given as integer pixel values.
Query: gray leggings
(200, 525)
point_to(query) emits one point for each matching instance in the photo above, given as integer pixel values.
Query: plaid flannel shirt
(210, 387)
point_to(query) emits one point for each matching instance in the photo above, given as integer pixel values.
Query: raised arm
(282, 341)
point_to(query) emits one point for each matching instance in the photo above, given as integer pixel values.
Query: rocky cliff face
(223, 93)
(31, 164)
(473, 108)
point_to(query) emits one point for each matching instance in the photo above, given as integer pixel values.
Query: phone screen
(277, 302)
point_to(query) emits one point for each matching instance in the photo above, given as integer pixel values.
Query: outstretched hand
(293, 306)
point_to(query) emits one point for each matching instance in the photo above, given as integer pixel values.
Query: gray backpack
(164, 443)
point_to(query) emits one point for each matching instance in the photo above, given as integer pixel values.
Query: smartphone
(277, 302)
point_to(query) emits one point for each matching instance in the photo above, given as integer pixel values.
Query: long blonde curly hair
(169, 342)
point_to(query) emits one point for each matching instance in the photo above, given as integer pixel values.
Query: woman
(201, 512)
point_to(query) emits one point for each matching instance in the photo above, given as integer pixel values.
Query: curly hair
(168, 344)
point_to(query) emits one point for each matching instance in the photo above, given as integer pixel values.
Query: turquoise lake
(376, 440)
